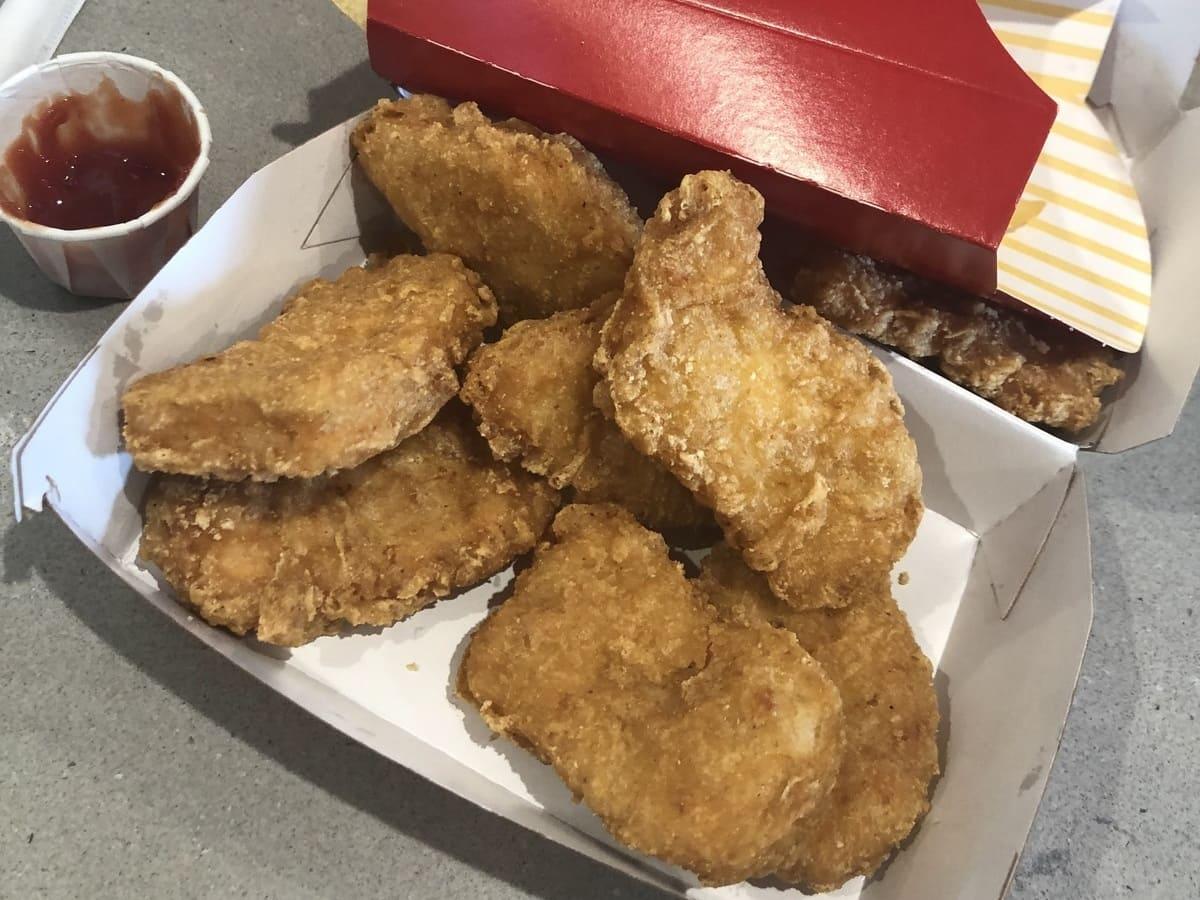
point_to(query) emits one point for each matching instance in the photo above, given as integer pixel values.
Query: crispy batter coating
(789, 431)
(298, 559)
(1037, 370)
(891, 712)
(348, 369)
(532, 394)
(696, 741)
(535, 214)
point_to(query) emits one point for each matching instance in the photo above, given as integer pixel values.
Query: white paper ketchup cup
(111, 260)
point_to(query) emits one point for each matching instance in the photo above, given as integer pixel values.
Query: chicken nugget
(348, 369)
(535, 214)
(891, 711)
(297, 559)
(1037, 370)
(696, 741)
(532, 394)
(791, 432)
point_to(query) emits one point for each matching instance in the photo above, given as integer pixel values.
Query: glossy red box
(901, 129)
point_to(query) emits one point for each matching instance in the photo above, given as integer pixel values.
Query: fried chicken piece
(695, 741)
(298, 559)
(1037, 370)
(535, 214)
(791, 432)
(617, 473)
(532, 395)
(348, 369)
(891, 711)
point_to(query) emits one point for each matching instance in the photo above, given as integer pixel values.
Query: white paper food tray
(1000, 587)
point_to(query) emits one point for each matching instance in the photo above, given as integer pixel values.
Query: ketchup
(87, 160)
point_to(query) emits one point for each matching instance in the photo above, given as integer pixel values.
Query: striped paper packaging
(1077, 247)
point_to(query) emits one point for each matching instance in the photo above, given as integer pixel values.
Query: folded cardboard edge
(993, 698)
(1012, 547)
(24, 497)
(381, 736)
(1147, 69)
(1150, 405)
(1074, 504)
(1140, 86)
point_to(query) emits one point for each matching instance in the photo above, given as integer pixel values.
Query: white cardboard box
(1000, 589)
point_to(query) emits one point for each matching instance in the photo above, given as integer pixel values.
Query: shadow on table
(354, 91)
(304, 745)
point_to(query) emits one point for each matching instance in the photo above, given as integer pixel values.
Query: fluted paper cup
(112, 260)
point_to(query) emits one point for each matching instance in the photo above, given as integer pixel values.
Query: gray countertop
(135, 762)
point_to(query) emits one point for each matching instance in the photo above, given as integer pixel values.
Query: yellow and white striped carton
(1077, 248)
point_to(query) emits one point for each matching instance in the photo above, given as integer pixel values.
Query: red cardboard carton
(898, 129)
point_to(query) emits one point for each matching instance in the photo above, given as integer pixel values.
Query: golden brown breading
(535, 214)
(789, 431)
(617, 473)
(1037, 370)
(348, 369)
(891, 712)
(696, 741)
(532, 394)
(298, 559)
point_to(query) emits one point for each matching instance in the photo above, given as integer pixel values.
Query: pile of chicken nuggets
(557, 376)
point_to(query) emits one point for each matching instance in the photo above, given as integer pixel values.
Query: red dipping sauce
(95, 159)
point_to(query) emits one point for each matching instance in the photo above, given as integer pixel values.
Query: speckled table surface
(134, 762)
